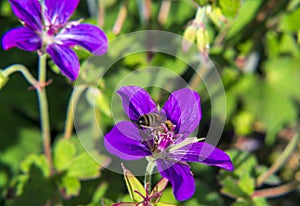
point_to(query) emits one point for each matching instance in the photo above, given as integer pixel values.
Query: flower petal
(59, 12)
(29, 11)
(180, 176)
(125, 142)
(136, 101)
(184, 110)
(88, 36)
(22, 38)
(203, 152)
(65, 59)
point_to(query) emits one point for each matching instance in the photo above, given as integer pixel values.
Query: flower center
(160, 132)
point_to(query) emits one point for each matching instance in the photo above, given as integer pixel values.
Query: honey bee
(157, 123)
(154, 121)
(151, 120)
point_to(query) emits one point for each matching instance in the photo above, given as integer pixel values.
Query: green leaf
(283, 75)
(37, 190)
(229, 7)
(290, 22)
(246, 14)
(242, 202)
(29, 142)
(288, 44)
(100, 192)
(243, 123)
(231, 188)
(71, 185)
(38, 161)
(244, 163)
(247, 184)
(84, 167)
(278, 111)
(168, 197)
(260, 201)
(272, 46)
(64, 152)
(269, 105)
(240, 182)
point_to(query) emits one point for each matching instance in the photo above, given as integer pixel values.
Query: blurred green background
(255, 47)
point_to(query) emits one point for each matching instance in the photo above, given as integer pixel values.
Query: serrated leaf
(133, 184)
(71, 185)
(84, 167)
(231, 188)
(247, 184)
(38, 161)
(64, 152)
(239, 183)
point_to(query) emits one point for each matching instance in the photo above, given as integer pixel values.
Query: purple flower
(161, 136)
(46, 28)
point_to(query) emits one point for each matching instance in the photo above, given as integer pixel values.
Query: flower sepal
(141, 195)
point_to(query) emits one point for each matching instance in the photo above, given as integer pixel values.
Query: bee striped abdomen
(150, 120)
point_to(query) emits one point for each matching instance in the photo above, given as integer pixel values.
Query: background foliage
(255, 47)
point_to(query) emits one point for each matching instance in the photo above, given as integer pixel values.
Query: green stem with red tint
(44, 113)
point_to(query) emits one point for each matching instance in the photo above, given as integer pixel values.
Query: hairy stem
(44, 113)
(70, 112)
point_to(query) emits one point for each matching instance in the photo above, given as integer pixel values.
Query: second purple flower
(46, 28)
(161, 136)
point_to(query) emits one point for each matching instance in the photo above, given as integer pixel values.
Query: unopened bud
(3, 79)
(189, 36)
(203, 40)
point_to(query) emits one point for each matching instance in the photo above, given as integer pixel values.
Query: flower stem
(20, 68)
(281, 160)
(148, 174)
(70, 112)
(44, 113)
(277, 191)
